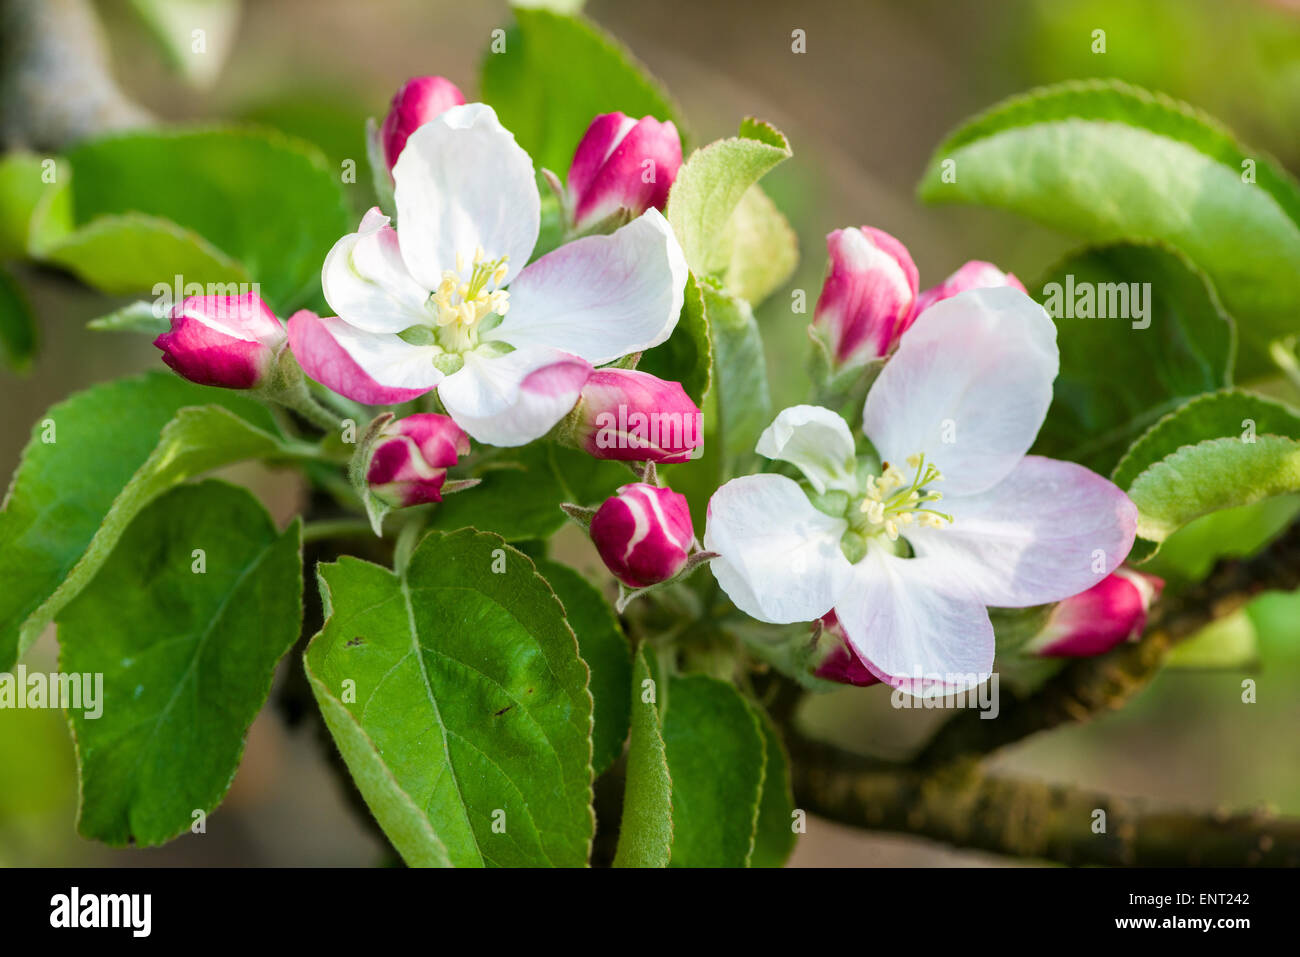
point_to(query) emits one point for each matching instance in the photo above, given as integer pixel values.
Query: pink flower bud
(868, 297)
(643, 534)
(622, 164)
(634, 416)
(227, 341)
(1094, 621)
(976, 274)
(418, 101)
(410, 458)
(839, 662)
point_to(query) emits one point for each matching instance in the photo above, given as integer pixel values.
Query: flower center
(465, 298)
(892, 502)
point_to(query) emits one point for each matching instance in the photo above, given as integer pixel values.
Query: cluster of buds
(870, 296)
(632, 416)
(621, 168)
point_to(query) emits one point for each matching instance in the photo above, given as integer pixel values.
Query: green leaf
(92, 464)
(18, 333)
(764, 249)
(1118, 375)
(1108, 161)
(716, 759)
(1211, 476)
(33, 210)
(1229, 642)
(709, 189)
(1230, 412)
(645, 836)
(264, 200)
(556, 74)
(458, 699)
(172, 23)
(129, 254)
(133, 317)
(774, 835)
(687, 356)
(740, 372)
(604, 648)
(186, 656)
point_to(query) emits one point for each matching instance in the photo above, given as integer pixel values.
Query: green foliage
(687, 356)
(91, 465)
(18, 333)
(33, 212)
(740, 372)
(604, 648)
(185, 621)
(264, 201)
(774, 835)
(457, 697)
(555, 74)
(1110, 162)
(1116, 379)
(645, 837)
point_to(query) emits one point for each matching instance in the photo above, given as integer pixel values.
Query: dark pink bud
(643, 534)
(1092, 622)
(409, 462)
(869, 295)
(839, 662)
(634, 416)
(622, 164)
(417, 102)
(976, 274)
(227, 341)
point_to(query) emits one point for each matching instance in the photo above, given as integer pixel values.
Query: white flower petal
(815, 439)
(780, 557)
(910, 634)
(366, 283)
(513, 399)
(1047, 531)
(370, 367)
(463, 183)
(969, 387)
(601, 297)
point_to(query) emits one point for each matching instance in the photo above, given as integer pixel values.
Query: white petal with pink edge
(969, 387)
(366, 282)
(1047, 531)
(512, 399)
(601, 297)
(373, 368)
(908, 633)
(463, 183)
(780, 557)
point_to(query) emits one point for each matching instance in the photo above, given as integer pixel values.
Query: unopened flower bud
(1092, 622)
(633, 416)
(622, 164)
(869, 296)
(227, 341)
(643, 534)
(410, 457)
(418, 101)
(976, 274)
(837, 661)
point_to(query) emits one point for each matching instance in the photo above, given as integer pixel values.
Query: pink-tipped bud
(227, 341)
(622, 164)
(635, 417)
(976, 274)
(837, 660)
(869, 296)
(418, 101)
(1095, 621)
(643, 534)
(410, 458)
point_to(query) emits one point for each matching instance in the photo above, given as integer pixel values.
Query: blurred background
(877, 89)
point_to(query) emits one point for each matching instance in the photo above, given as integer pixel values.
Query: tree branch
(1091, 686)
(961, 806)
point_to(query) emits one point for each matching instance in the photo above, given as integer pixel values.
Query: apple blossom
(621, 168)
(447, 301)
(1094, 621)
(628, 415)
(410, 457)
(868, 298)
(909, 570)
(975, 274)
(227, 341)
(643, 534)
